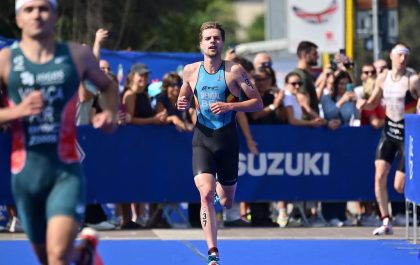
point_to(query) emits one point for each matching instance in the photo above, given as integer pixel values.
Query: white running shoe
(282, 219)
(383, 230)
(15, 226)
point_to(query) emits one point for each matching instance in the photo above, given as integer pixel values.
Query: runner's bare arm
(186, 92)
(240, 82)
(100, 36)
(254, 101)
(415, 86)
(30, 105)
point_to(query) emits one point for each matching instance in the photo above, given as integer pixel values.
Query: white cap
(20, 3)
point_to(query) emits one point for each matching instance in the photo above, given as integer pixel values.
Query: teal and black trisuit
(215, 140)
(47, 178)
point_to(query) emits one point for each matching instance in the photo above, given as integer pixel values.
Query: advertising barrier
(412, 161)
(153, 164)
(412, 167)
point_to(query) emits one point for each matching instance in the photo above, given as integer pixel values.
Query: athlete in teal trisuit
(41, 78)
(216, 86)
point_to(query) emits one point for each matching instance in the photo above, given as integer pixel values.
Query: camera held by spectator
(341, 61)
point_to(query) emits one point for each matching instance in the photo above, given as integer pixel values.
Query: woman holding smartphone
(341, 103)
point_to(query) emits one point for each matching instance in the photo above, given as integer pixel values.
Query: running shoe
(89, 243)
(15, 225)
(213, 260)
(282, 219)
(383, 230)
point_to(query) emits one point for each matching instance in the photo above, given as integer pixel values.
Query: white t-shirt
(291, 100)
(83, 108)
(359, 92)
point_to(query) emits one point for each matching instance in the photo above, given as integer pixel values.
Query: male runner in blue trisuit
(216, 87)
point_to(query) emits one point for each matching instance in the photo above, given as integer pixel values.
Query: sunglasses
(382, 68)
(296, 83)
(266, 64)
(369, 72)
(261, 78)
(174, 84)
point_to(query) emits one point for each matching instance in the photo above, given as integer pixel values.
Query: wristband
(272, 107)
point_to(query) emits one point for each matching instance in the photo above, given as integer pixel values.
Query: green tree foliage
(218, 10)
(147, 25)
(8, 26)
(409, 26)
(409, 30)
(256, 30)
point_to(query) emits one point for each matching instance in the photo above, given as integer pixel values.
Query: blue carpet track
(238, 252)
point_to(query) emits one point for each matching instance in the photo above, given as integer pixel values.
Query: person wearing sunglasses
(293, 109)
(272, 113)
(262, 59)
(376, 116)
(272, 97)
(166, 101)
(367, 75)
(380, 66)
(366, 214)
(340, 106)
(308, 56)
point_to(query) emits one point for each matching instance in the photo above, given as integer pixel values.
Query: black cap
(140, 68)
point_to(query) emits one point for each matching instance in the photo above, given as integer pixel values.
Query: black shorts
(389, 149)
(216, 152)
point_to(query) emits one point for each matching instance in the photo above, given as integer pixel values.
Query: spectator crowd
(327, 100)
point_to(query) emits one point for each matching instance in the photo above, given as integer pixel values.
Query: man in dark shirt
(307, 53)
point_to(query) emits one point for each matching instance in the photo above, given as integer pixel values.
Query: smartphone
(349, 87)
(333, 65)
